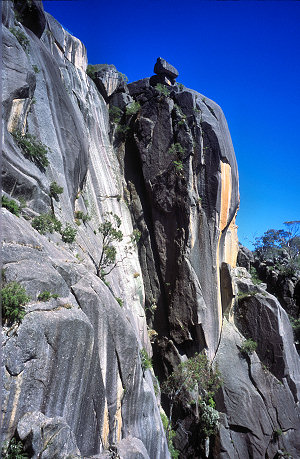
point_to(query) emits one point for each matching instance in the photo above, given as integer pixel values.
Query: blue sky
(245, 55)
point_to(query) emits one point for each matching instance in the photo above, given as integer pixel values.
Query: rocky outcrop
(165, 73)
(279, 274)
(245, 258)
(260, 398)
(160, 159)
(107, 79)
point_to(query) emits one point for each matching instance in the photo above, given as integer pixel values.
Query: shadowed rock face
(190, 195)
(72, 369)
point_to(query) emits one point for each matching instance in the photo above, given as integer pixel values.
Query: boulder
(245, 257)
(162, 67)
(47, 437)
(107, 79)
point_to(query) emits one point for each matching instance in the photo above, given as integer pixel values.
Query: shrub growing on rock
(21, 37)
(10, 205)
(295, 323)
(46, 223)
(32, 148)
(123, 77)
(248, 347)
(13, 297)
(162, 90)
(176, 149)
(68, 234)
(145, 360)
(170, 436)
(14, 450)
(79, 215)
(195, 374)
(133, 108)
(46, 296)
(209, 419)
(55, 190)
(178, 165)
(120, 301)
(254, 276)
(91, 70)
(115, 113)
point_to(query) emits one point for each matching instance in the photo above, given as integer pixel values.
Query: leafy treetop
(272, 242)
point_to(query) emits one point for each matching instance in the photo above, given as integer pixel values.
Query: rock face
(162, 162)
(283, 283)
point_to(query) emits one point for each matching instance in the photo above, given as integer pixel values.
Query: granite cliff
(157, 158)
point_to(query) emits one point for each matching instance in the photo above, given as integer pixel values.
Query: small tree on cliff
(194, 382)
(111, 235)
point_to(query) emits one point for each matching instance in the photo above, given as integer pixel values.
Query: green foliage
(145, 360)
(209, 418)
(79, 215)
(170, 436)
(91, 70)
(122, 129)
(115, 113)
(180, 86)
(46, 296)
(162, 90)
(164, 420)
(36, 69)
(110, 234)
(133, 108)
(254, 276)
(32, 148)
(194, 373)
(178, 165)
(68, 234)
(46, 223)
(176, 149)
(274, 242)
(10, 205)
(13, 297)
(180, 113)
(15, 450)
(21, 37)
(248, 347)
(277, 433)
(123, 77)
(120, 301)
(156, 386)
(290, 268)
(135, 236)
(242, 295)
(295, 323)
(55, 190)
